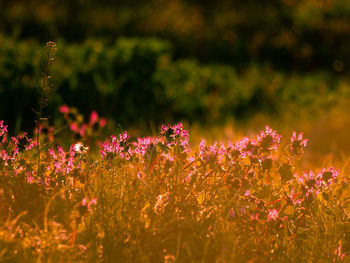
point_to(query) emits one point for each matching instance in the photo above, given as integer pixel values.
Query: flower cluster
(3, 130)
(65, 163)
(176, 135)
(118, 147)
(268, 139)
(312, 183)
(247, 191)
(298, 143)
(23, 143)
(15, 146)
(77, 124)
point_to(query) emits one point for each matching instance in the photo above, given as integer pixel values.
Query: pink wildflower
(339, 254)
(328, 176)
(175, 134)
(87, 205)
(74, 127)
(292, 198)
(3, 129)
(297, 144)
(5, 156)
(66, 162)
(310, 183)
(30, 179)
(117, 148)
(209, 154)
(93, 117)
(254, 217)
(23, 143)
(82, 130)
(273, 215)
(268, 139)
(84, 202)
(64, 109)
(103, 122)
(92, 202)
(240, 148)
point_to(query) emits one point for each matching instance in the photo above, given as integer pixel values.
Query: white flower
(79, 148)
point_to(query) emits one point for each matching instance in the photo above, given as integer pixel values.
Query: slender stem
(51, 47)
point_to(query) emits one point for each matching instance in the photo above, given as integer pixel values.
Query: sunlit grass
(165, 198)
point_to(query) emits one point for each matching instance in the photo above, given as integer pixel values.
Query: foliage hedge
(136, 80)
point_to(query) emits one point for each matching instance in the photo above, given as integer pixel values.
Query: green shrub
(136, 81)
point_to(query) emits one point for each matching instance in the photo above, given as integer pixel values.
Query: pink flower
(74, 127)
(273, 215)
(254, 217)
(5, 156)
(67, 162)
(92, 202)
(117, 148)
(23, 143)
(297, 144)
(339, 254)
(210, 154)
(145, 145)
(175, 134)
(310, 182)
(93, 117)
(82, 130)
(3, 129)
(328, 176)
(30, 179)
(52, 154)
(64, 109)
(292, 198)
(103, 122)
(84, 202)
(268, 139)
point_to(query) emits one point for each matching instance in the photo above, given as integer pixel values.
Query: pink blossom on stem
(64, 109)
(117, 148)
(273, 215)
(74, 127)
(268, 139)
(23, 143)
(297, 143)
(328, 176)
(30, 178)
(103, 122)
(3, 129)
(93, 117)
(339, 254)
(82, 130)
(89, 204)
(175, 134)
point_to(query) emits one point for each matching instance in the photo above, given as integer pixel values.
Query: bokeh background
(220, 63)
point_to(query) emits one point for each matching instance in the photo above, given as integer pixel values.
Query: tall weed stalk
(45, 85)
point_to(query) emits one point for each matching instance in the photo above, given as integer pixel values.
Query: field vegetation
(174, 131)
(154, 199)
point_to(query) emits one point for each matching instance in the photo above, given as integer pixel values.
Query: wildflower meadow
(174, 131)
(158, 199)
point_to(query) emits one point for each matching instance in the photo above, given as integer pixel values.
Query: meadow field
(174, 131)
(156, 199)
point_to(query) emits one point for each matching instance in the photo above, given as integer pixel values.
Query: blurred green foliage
(136, 81)
(141, 62)
(298, 35)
